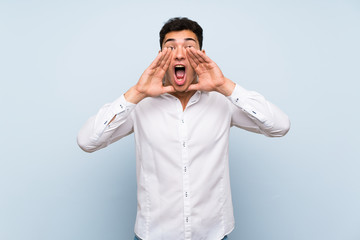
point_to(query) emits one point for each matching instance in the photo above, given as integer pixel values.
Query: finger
(193, 87)
(196, 55)
(204, 57)
(164, 64)
(168, 89)
(191, 60)
(156, 61)
(190, 51)
(191, 54)
(166, 60)
(164, 53)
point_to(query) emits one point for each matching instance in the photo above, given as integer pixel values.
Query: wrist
(227, 87)
(133, 95)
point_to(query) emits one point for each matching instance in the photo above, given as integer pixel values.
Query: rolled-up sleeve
(101, 130)
(252, 112)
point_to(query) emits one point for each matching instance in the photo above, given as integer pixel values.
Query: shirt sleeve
(99, 131)
(252, 112)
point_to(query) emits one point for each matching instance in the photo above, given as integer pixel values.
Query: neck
(184, 97)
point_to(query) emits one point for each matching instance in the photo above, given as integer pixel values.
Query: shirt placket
(183, 133)
(185, 171)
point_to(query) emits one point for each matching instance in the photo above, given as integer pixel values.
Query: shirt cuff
(238, 96)
(120, 105)
(119, 108)
(242, 99)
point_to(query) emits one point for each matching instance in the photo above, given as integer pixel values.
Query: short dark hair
(178, 24)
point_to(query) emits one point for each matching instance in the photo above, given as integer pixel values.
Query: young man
(181, 111)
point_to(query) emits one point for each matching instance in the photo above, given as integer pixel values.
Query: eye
(189, 46)
(171, 48)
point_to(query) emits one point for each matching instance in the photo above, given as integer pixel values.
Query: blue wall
(61, 61)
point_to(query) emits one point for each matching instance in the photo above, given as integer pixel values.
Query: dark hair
(181, 23)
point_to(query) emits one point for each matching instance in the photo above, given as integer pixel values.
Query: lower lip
(180, 81)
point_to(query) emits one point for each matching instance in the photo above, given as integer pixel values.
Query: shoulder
(215, 98)
(154, 103)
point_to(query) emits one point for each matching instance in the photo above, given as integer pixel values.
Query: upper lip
(179, 65)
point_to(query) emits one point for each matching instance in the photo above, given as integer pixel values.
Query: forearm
(227, 87)
(254, 113)
(111, 123)
(133, 95)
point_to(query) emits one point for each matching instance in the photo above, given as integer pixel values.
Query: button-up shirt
(182, 168)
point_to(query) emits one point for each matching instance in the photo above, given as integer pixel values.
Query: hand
(150, 83)
(210, 76)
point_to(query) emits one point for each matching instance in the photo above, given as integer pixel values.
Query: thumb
(168, 89)
(192, 87)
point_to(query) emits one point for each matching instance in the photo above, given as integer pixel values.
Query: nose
(179, 54)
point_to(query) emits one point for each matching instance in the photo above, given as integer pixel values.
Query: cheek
(169, 75)
(190, 72)
(168, 72)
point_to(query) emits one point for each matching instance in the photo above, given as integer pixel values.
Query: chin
(180, 88)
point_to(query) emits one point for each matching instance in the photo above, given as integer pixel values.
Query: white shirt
(183, 183)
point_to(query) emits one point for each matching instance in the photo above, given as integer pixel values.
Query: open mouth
(179, 74)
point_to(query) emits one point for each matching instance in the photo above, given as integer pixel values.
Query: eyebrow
(173, 40)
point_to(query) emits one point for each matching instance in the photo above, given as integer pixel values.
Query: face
(180, 74)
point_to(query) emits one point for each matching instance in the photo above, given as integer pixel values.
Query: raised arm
(250, 110)
(150, 83)
(113, 121)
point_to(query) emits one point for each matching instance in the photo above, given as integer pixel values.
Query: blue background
(60, 61)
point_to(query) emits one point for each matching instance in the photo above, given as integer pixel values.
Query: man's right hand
(150, 83)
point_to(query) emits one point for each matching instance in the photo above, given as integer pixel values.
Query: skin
(179, 42)
(180, 47)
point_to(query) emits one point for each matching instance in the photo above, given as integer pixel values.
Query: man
(181, 111)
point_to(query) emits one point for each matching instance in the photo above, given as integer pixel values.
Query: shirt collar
(195, 98)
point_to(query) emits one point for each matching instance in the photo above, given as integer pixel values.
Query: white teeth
(179, 66)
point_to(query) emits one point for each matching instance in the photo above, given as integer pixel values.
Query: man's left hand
(210, 76)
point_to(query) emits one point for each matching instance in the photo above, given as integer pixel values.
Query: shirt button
(187, 219)
(186, 194)
(183, 144)
(185, 169)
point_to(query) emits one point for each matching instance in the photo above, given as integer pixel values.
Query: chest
(164, 122)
